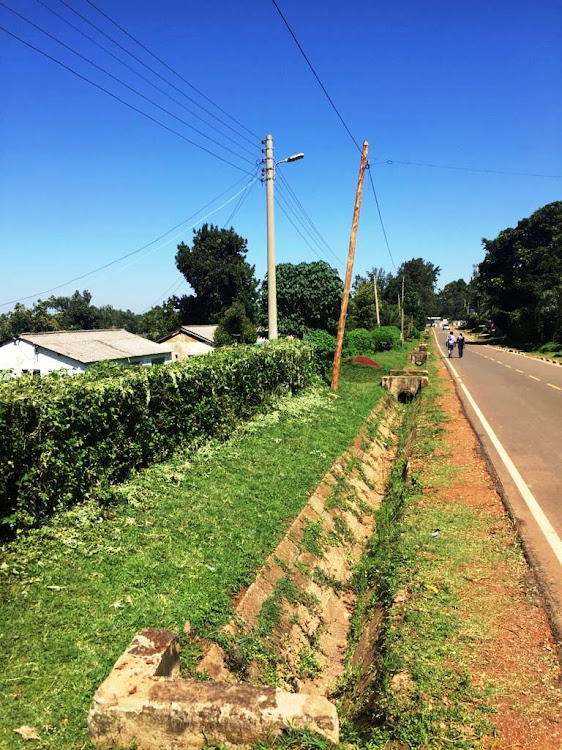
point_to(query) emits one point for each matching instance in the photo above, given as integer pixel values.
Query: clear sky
(85, 180)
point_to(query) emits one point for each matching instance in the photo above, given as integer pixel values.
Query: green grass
(422, 695)
(183, 537)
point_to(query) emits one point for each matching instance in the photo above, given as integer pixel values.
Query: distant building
(189, 341)
(76, 351)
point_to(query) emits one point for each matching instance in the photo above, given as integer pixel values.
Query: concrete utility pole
(268, 176)
(271, 278)
(377, 300)
(349, 269)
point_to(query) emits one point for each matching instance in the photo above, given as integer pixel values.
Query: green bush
(324, 346)
(358, 341)
(64, 437)
(386, 338)
(235, 327)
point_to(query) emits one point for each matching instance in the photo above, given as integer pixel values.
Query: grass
(180, 540)
(422, 695)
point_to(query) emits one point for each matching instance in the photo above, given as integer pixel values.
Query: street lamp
(269, 174)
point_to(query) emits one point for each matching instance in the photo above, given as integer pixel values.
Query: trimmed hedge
(64, 437)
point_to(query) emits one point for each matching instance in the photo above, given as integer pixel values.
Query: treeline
(516, 289)
(226, 291)
(518, 286)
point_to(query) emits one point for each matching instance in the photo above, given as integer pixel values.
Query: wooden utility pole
(377, 300)
(402, 313)
(349, 269)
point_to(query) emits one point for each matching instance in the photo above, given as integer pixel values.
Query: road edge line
(548, 531)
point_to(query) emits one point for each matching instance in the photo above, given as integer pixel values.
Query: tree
(216, 269)
(235, 327)
(453, 300)
(160, 320)
(521, 275)
(420, 277)
(308, 296)
(75, 312)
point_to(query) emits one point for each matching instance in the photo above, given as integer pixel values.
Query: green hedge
(63, 437)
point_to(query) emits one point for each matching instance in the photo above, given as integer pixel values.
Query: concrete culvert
(405, 397)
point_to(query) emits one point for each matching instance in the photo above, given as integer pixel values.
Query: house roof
(96, 345)
(206, 333)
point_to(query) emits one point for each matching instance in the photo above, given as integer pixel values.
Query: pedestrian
(460, 343)
(451, 341)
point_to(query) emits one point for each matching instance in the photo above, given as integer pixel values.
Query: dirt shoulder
(514, 655)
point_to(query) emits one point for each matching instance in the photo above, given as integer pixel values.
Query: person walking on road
(451, 341)
(460, 343)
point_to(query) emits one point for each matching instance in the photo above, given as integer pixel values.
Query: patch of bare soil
(519, 656)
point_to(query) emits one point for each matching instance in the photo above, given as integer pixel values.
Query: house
(190, 340)
(76, 351)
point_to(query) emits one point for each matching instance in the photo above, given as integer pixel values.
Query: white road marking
(508, 366)
(536, 511)
(534, 378)
(521, 371)
(555, 386)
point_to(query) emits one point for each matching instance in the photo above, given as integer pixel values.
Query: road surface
(521, 400)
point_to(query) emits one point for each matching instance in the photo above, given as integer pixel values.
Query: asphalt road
(521, 398)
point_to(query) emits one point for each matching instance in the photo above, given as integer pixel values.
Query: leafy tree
(236, 327)
(452, 301)
(160, 320)
(75, 312)
(308, 296)
(521, 276)
(215, 266)
(420, 277)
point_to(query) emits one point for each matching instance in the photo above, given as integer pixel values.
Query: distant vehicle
(446, 326)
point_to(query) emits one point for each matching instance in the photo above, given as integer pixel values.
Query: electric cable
(241, 200)
(140, 249)
(470, 169)
(111, 20)
(140, 75)
(336, 110)
(172, 289)
(306, 229)
(380, 217)
(301, 208)
(118, 98)
(126, 85)
(315, 74)
(285, 207)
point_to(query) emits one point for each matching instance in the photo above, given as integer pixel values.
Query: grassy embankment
(186, 535)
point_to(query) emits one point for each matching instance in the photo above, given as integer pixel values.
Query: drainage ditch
(304, 634)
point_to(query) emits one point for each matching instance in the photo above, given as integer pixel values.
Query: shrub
(324, 346)
(63, 438)
(358, 341)
(386, 338)
(236, 327)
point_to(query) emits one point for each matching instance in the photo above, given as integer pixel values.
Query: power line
(241, 200)
(343, 122)
(140, 75)
(469, 169)
(152, 70)
(286, 207)
(117, 98)
(315, 74)
(380, 217)
(148, 244)
(301, 208)
(126, 85)
(172, 289)
(105, 15)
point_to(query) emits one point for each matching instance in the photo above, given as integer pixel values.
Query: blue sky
(85, 180)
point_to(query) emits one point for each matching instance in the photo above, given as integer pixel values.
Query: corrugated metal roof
(95, 346)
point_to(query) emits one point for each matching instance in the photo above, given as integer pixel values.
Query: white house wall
(19, 356)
